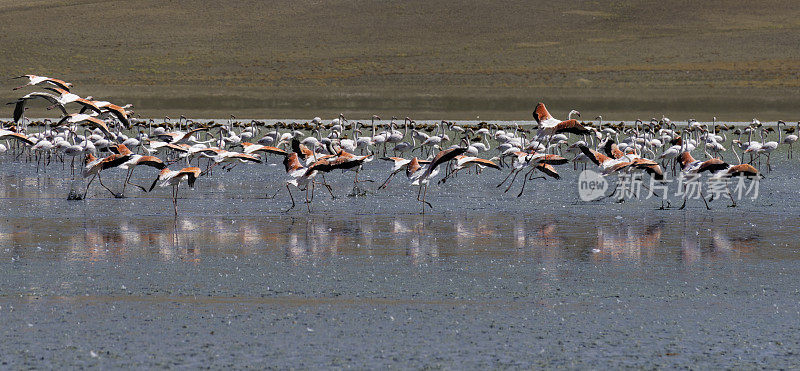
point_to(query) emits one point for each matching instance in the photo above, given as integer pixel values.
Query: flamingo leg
(175, 198)
(769, 167)
(684, 198)
(87, 186)
(506, 178)
(104, 186)
(448, 176)
(525, 181)
(330, 190)
(290, 197)
(733, 202)
(308, 202)
(419, 193)
(512, 180)
(386, 182)
(127, 180)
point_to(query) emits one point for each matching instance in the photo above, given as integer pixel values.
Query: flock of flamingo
(95, 133)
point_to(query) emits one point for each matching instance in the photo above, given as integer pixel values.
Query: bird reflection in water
(626, 242)
(418, 240)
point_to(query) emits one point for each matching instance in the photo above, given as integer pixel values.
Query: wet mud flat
(484, 280)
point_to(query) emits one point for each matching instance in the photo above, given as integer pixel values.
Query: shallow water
(482, 279)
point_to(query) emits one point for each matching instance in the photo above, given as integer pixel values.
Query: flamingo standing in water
(300, 176)
(93, 166)
(423, 175)
(741, 170)
(173, 178)
(790, 139)
(139, 160)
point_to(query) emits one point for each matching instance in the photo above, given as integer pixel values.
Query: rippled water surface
(482, 279)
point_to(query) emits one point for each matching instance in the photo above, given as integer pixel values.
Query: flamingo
(770, 146)
(173, 178)
(19, 104)
(423, 175)
(179, 137)
(343, 161)
(301, 177)
(790, 139)
(65, 97)
(36, 80)
(549, 126)
(137, 160)
(93, 166)
(690, 166)
(250, 148)
(741, 170)
(524, 159)
(463, 162)
(7, 134)
(399, 165)
(88, 120)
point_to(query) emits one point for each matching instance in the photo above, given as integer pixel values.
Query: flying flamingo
(7, 134)
(36, 80)
(65, 97)
(464, 162)
(19, 104)
(741, 170)
(400, 164)
(86, 120)
(692, 167)
(549, 126)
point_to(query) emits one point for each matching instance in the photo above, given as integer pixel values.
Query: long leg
(528, 176)
(127, 179)
(684, 198)
(87, 186)
(769, 167)
(525, 181)
(512, 180)
(290, 196)
(308, 202)
(419, 193)
(104, 186)
(733, 201)
(704, 200)
(330, 190)
(448, 176)
(386, 182)
(175, 198)
(506, 178)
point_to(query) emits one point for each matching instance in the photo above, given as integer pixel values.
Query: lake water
(484, 279)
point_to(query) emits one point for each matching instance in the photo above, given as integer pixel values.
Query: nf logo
(591, 185)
